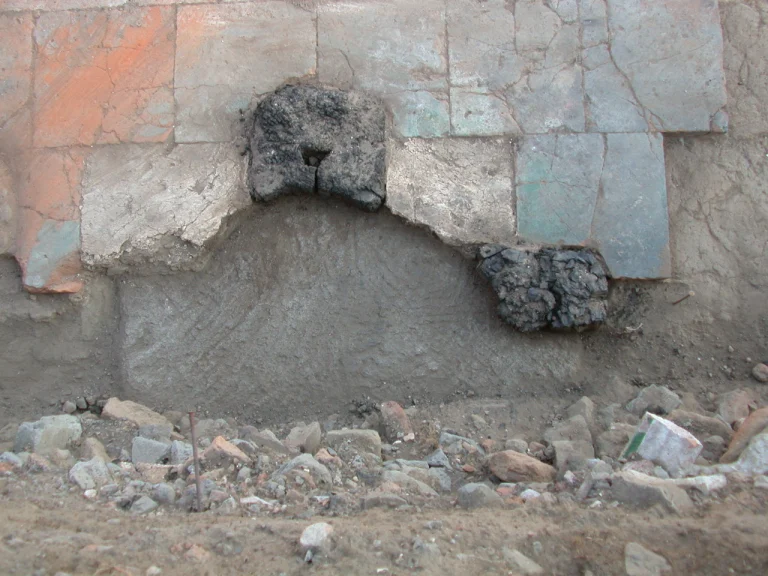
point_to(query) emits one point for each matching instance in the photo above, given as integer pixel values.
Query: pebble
(477, 495)
(316, 538)
(143, 505)
(529, 494)
(760, 372)
(69, 407)
(639, 561)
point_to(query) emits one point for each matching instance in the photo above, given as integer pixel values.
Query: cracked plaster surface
(135, 196)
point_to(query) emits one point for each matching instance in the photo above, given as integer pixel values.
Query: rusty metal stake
(691, 293)
(197, 461)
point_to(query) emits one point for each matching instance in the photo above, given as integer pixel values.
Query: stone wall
(121, 119)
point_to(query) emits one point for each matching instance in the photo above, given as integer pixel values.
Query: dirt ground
(60, 531)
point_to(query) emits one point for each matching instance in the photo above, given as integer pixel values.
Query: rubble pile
(653, 452)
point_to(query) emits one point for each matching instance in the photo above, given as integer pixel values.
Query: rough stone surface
(477, 495)
(699, 425)
(316, 538)
(116, 85)
(664, 443)
(754, 459)
(228, 54)
(520, 563)
(558, 178)
(612, 442)
(177, 198)
(639, 561)
(460, 188)
(671, 59)
(546, 288)
(48, 434)
(574, 428)
(631, 223)
(572, 454)
(48, 220)
(760, 372)
(394, 49)
(319, 472)
(642, 491)
(149, 451)
(396, 423)
(223, 453)
(655, 399)
(359, 440)
(257, 321)
(143, 505)
(136, 414)
(734, 405)
(314, 140)
(305, 438)
(408, 483)
(752, 426)
(511, 466)
(90, 474)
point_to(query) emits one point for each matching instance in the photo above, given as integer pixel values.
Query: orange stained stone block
(48, 221)
(15, 80)
(104, 76)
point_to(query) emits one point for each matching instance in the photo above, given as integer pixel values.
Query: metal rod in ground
(197, 462)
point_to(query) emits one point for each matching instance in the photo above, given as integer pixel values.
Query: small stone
(382, 500)
(714, 448)
(396, 423)
(12, 459)
(36, 464)
(264, 439)
(92, 448)
(197, 554)
(478, 421)
(180, 452)
(761, 482)
(164, 493)
(90, 474)
(476, 495)
(752, 426)
(704, 484)
(760, 372)
(69, 407)
(81, 404)
(572, 454)
(511, 466)
(158, 432)
(148, 451)
(153, 473)
(574, 428)
(517, 445)
(699, 425)
(143, 505)
(153, 571)
(425, 548)
(360, 440)
(223, 453)
(530, 494)
(138, 415)
(453, 445)
(304, 438)
(468, 468)
(611, 443)
(639, 561)
(48, 434)
(521, 563)
(754, 459)
(407, 482)
(438, 459)
(655, 399)
(319, 473)
(316, 538)
(735, 405)
(644, 491)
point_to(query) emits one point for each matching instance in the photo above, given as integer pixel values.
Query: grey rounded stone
(478, 495)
